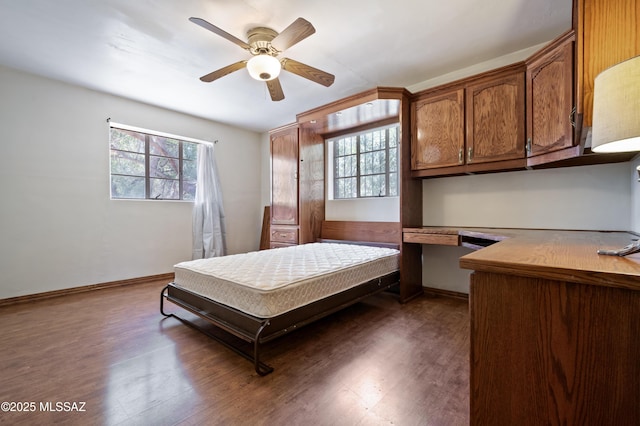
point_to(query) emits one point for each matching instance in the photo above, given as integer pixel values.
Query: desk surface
(552, 254)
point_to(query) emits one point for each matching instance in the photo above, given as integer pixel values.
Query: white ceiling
(148, 50)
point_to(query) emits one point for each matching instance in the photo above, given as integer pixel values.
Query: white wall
(379, 209)
(587, 197)
(59, 227)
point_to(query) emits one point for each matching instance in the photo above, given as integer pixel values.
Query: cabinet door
(284, 177)
(550, 100)
(438, 130)
(495, 119)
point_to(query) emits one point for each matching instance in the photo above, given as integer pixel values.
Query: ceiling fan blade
(308, 72)
(294, 33)
(275, 89)
(208, 26)
(223, 71)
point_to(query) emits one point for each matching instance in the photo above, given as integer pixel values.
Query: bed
(260, 296)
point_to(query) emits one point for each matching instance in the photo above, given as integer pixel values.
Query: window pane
(353, 170)
(353, 145)
(340, 167)
(393, 136)
(369, 163)
(162, 167)
(346, 188)
(140, 161)
(189, 190)
(393, 160)
(393, 184)
(376, 140)
(164, 146)
(366, 165)
(189, 170)
(366, 185)
(164, 189)
(127, 187)
(379, 162)
(379, 188)
(126, 140)
(353, 188)
(189, 150)
(127, 163)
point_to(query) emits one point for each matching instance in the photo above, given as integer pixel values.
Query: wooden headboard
(377, 232)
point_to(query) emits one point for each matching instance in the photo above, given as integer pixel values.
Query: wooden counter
(566, 255)
(555, 327)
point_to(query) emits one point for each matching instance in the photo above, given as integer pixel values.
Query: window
(149, 166)
(365, 164)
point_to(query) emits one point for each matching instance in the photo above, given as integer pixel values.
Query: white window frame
(147, 155)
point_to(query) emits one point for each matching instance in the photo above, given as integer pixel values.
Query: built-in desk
(555, 328)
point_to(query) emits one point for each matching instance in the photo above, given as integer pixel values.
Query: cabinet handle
(470, 153)
(528, 146)
(460, 156)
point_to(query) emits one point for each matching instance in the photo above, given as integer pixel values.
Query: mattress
(268, 283)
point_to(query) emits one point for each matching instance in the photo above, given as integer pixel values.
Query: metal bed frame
(261, 330)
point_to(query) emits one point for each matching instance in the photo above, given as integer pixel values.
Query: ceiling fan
(265, 45)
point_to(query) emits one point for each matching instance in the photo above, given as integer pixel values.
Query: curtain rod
(157, 133)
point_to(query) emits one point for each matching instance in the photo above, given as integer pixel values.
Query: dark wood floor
(378, 362)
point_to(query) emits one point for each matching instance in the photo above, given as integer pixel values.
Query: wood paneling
(380, 232)
(266, 228)
(410, 210)
(311, 194)
(608, 33)
(284, 176)
(552, 352)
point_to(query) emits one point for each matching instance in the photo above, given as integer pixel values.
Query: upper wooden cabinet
(438, 130)
(550, 102)
(471, 125)
(495, 118)
(284, 176)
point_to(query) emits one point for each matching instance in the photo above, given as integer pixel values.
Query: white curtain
(208, 214)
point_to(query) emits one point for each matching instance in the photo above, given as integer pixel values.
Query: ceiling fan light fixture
(264, 67)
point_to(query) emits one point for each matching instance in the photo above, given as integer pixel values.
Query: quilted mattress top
(268, 270)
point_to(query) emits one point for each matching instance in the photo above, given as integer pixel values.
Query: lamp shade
(263, 67)
(616, 108)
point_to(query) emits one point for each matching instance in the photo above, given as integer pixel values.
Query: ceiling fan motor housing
(260, 41)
